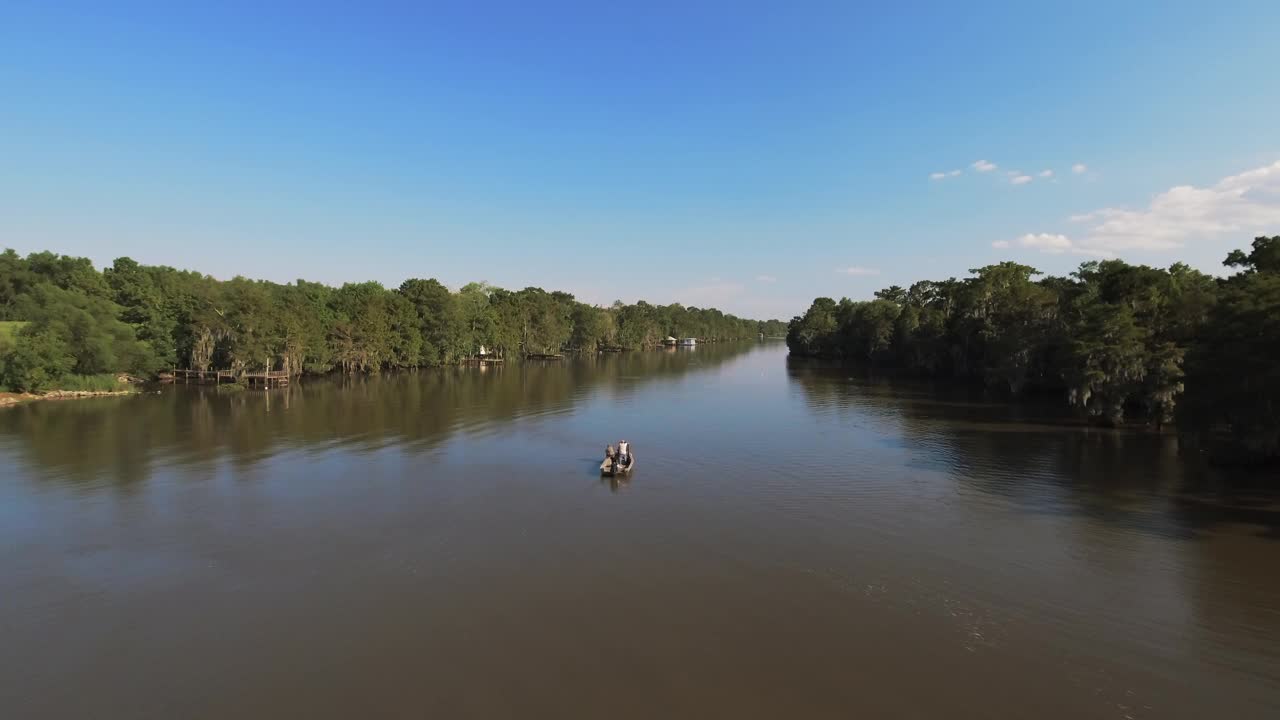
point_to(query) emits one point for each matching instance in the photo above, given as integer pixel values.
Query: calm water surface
(794, 543)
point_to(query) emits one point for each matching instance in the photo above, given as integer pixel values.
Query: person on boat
(609, 456)
(624, 454)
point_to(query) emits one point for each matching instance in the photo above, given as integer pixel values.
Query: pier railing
(271, 378)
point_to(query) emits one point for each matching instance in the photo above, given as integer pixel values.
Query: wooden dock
(274, 378)
(203, 376)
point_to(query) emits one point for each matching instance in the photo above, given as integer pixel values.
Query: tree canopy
(140, 319)
(1233, 369)
(1117, 341)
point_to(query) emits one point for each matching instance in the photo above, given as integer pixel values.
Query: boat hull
(607, 468)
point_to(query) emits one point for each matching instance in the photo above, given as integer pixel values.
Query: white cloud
(1046, 173)
(1046, 242)
(1237, 205)
(1021, 180)
(1051, 244)
(766, 279)
(1078, 168)
(858, 271)
(943, 175)
(953, 173)
(983, 166)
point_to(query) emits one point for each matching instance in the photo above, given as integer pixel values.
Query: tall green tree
(440, 320)
(1111, 338)
(1233, 378)
(67, 333)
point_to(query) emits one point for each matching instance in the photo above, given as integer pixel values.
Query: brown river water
(795, 542)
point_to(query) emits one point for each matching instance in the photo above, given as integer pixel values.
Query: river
(796, 542)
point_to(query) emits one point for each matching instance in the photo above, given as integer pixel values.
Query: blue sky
(745, 155)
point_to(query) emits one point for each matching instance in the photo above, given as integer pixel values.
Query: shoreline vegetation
(8, 399)
(1122, 344)
(66, 326)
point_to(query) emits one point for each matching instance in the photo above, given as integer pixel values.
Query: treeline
(62, 319)
(1117, 341)
(773, 329)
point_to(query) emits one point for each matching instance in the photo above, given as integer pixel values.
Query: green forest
(1118, 342)
(65, 324)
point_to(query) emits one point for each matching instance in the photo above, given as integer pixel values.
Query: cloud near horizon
(1050, 244)
(1240, 204)
(1237, 204)
(983, 166)
(769, 279)
(858, 271)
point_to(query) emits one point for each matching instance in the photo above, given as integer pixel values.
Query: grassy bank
(90, 383)
(8, 399)
(73, 386)
(9, 330)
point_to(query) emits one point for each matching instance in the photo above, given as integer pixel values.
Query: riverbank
(8, 399)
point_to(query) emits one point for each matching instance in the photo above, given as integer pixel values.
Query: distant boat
(669, 341)
(688, 342)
